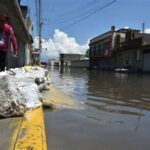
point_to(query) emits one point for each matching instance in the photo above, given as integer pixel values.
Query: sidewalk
(24, 133)
(21, 92)
(9, 129)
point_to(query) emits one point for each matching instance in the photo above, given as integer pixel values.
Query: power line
(51, 10)
(94, 12)
(47, 6)
(81, 13)
(77, 10)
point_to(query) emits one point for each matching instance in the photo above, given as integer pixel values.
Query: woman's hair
(4, 18)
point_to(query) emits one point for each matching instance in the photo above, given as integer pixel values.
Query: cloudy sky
(147, 30)
(60, 43)
(85, 19)
(67, 25)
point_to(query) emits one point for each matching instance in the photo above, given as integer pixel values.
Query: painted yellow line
(32, 131)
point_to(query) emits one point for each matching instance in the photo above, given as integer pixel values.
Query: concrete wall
(66, 59)
(131, 59)
(11, 61)
(104, 63)
(12, 9)
(80, 63)
(28, 60)
(21, 57)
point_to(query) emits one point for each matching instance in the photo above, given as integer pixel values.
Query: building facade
(123, 48)
(65, 59)
(102, 50)
(134, 52)
(17, 20)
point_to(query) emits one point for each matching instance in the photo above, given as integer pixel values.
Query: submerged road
(94, 110)
(112, 111)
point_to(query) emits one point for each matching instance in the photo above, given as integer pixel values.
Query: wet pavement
(82, 130)
(9, 128)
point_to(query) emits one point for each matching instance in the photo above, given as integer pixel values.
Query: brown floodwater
(115, 112)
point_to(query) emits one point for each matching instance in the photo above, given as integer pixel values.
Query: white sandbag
(30, 93)
(19, 92)
(3, 73)
(11, 100)
(33, 73)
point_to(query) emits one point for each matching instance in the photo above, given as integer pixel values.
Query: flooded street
(115, 112)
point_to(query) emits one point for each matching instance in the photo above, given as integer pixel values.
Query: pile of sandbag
(20, 90)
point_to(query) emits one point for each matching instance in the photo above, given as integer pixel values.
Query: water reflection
(117, 115)
(106, 91)
(119, 93)
(71, 81)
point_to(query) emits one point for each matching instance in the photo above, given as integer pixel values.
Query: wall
(80, 63)
(12, 9)
(131, 59)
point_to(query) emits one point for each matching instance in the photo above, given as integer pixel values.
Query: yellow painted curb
(32, 131)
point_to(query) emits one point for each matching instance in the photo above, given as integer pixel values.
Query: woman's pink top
(5, 34)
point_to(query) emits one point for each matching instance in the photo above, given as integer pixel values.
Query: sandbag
(19, 90)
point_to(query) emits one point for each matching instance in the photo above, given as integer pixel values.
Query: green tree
(87, 53)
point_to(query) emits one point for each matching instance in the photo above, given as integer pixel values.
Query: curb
(32, 131)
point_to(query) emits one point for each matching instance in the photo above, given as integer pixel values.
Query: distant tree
(87, 53)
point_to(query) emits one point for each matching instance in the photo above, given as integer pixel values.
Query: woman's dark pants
(2, 60)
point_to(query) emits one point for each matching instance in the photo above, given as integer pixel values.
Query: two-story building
(123, 48)
(102, 50)
(134, 52)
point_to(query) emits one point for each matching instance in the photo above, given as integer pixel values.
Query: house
(24, 38)
(134, 52)
(102, 50)
(123, 48)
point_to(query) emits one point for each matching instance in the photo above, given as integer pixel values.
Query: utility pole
(39, 24)
(40, 27)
